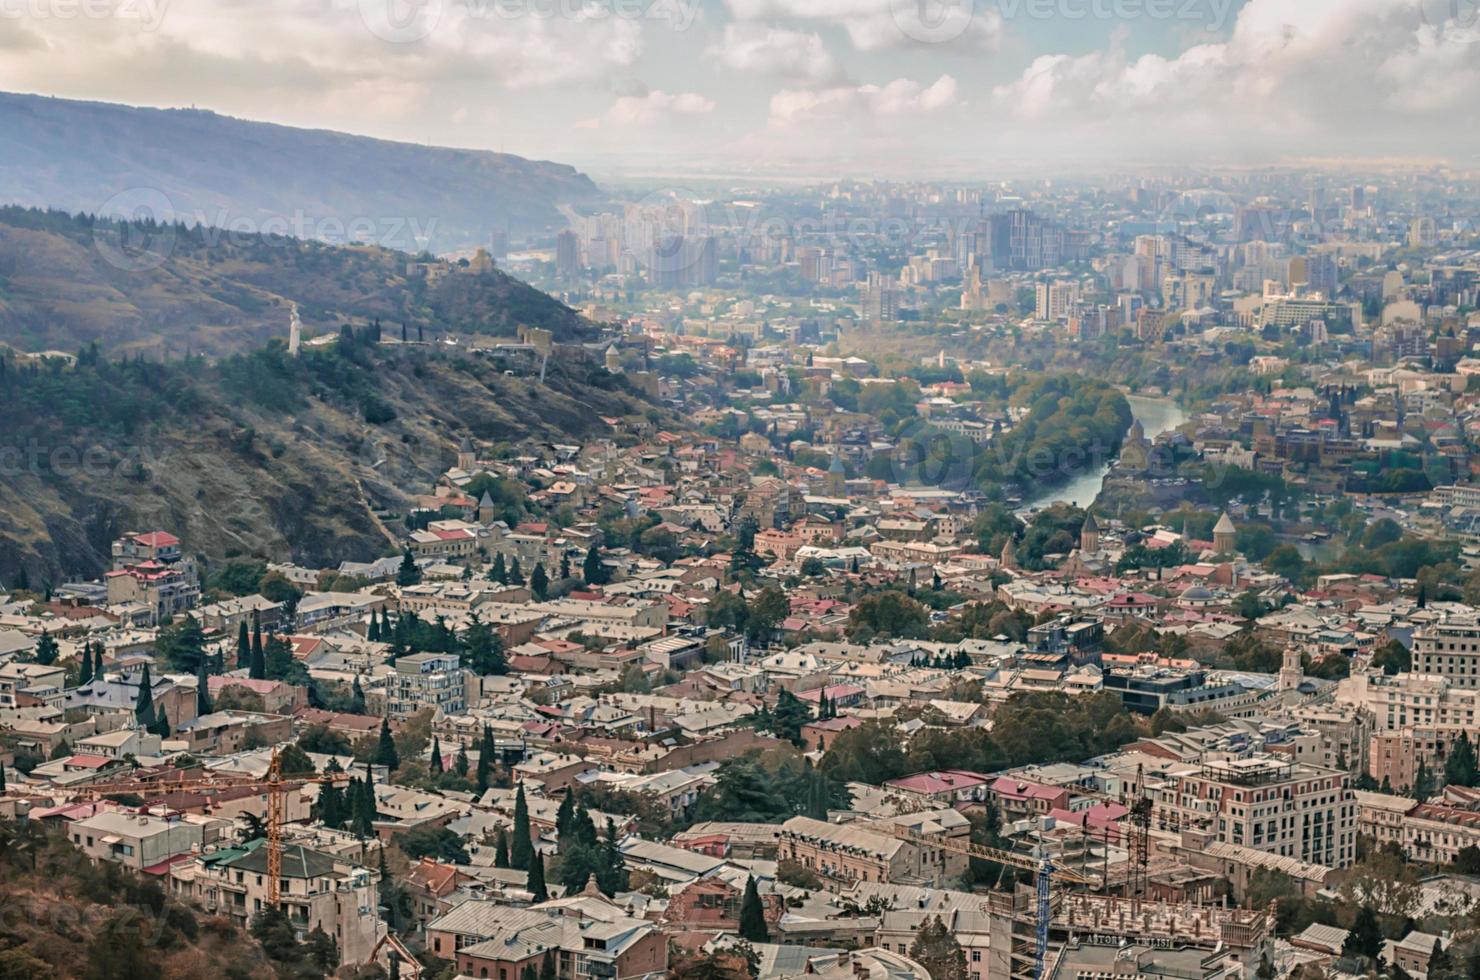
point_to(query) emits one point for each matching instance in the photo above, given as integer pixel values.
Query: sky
(893, 88)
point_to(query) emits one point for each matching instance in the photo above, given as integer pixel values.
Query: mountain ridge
(198, 165)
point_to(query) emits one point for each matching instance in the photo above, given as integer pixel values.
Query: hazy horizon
(825, 87)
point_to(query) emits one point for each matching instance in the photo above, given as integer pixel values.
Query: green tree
(501, 849)
(767, 610)
(1459, 768)
(594, 570)
(408, 573)
(243, 647)
(460, 761)
(484, 649)
(520, 847)
(438, 843)
(385, 748)
(536, 880)
(202, 691)
(46, 650)
(788, 717)
(144, 703)
(539, 583)
(753, 915)
(938, 952)
(1365, 936)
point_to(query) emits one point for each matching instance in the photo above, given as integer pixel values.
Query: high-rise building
(567, 254)
(1020, 240)
(881, 299)
(1265, 802)
(1449, 648)
(1056, 299)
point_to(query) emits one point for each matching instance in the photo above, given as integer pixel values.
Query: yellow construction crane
(275, 784)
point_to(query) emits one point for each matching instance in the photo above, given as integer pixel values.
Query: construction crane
(1042, 866)
(275, 784)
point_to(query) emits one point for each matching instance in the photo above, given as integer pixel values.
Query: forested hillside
(69, 281)
(260, 453)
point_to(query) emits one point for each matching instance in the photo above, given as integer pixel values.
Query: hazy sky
(813, 86)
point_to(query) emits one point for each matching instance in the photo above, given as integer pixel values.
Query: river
(1156, 415)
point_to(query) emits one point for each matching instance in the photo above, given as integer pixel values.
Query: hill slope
(71, 918)
(66, 282)
(262, 453)
(78, 155)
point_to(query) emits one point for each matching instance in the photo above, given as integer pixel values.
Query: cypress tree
(202, 692)
(547, 967)
(1459, 768)
(516, 574)
(501, 849)
(331, 806)
(753, 915)
(257, 666)
(243, 647)
(539, 582)
(357, 697)
(460, 761)
(520, 848)
(385, 749)
(592, 569)
(536, 883)
(485, 761)
(256, 651)
(564, 815)
(436, 766)
(500, 572)
(2, 778)
(85, 670)
(144, 705)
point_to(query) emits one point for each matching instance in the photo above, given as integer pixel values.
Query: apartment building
(318, 891)
(140, 841)
(426, 680)
(1450, 648)
(852, 853)
(150, 570)
(498, 942)
(1265, 802)
(1412, 700)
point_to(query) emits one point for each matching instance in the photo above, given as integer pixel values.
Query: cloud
(874, 25)
(856, 103)
(656, 107)
(1317, 70)
(775, 52)
(344, 57)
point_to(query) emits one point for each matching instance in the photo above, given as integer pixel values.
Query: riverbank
(1156, 415)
